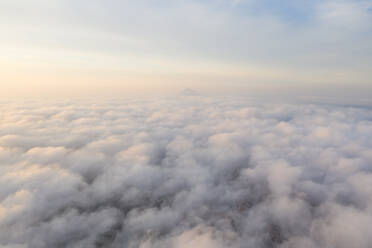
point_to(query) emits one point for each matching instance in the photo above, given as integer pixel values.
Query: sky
(112, 47)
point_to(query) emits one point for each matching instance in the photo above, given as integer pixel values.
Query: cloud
(206, 172)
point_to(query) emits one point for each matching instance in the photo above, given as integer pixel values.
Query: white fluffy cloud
(194, 171)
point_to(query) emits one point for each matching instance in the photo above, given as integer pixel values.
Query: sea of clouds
(188, 172)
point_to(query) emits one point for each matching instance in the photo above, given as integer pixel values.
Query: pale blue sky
(220, 45)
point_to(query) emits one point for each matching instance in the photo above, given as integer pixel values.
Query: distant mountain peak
(189, 92)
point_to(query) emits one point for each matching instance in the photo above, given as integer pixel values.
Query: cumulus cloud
(188, 172)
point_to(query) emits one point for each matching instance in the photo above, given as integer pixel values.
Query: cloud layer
(189, 172)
